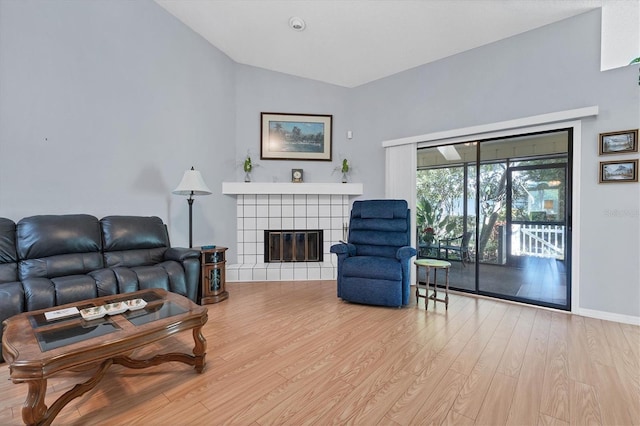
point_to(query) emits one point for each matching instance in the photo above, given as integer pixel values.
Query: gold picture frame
(623, 142)
(618, 171)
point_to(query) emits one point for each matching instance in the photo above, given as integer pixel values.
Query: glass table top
(74, 329)
(75, 333)
(153, 313)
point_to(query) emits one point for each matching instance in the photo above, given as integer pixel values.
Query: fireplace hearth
(288, 245)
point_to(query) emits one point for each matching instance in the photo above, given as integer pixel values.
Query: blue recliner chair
(373, 267)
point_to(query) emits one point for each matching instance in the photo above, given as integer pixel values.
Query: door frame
(400, 180)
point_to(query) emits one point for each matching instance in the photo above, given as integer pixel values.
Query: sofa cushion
(39, 293)
(51, 235)
(73, 288)
(129, 258)
(51, 246)
(11, 300)
(60, 265)
(8, 272)
(133, 232)
(106, 282)
(133, 240)
(167, 275)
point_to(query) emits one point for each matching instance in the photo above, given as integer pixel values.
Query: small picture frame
(297, 175)
(619, 171)
(623, 142)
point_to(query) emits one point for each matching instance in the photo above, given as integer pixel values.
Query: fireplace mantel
(235, 188)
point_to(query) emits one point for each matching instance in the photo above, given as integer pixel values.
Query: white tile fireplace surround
(298, 206)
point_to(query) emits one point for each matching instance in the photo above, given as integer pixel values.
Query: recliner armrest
(344, 248)
(179, 254)
(405, 252)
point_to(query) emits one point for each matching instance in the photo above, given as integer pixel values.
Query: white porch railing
(538, 240)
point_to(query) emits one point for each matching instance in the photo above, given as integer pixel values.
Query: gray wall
(259, 90)
(550, 69)
(103, 105)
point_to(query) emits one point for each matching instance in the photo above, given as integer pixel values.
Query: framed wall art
(295, 136)
(619, 171)
(618, 142)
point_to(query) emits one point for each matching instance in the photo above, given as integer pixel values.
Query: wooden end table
(36, 349)
(435, 264)
(213, 280)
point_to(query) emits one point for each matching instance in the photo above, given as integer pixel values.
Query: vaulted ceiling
(353, 42)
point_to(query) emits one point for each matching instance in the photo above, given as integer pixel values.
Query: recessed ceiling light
(297, 24)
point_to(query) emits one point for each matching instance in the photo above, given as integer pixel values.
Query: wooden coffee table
(36, 349)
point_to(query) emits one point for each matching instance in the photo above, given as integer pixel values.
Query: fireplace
(287, 245)
(280, 205)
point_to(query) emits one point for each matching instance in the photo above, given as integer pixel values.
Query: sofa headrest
(51, 235)
(133, 233)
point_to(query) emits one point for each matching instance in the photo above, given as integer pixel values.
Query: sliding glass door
(499, 210)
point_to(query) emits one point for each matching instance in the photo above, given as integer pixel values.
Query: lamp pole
(190, 201)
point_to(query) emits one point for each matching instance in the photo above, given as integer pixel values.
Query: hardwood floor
(293, 353)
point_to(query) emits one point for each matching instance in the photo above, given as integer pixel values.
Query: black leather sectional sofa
(51, 260)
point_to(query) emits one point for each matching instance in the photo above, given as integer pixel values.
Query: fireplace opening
(293, 246)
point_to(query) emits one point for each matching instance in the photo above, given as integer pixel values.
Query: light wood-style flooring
(292, 353)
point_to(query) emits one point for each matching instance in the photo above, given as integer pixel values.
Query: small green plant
(635, 61)
(247, 164)
(345, 166)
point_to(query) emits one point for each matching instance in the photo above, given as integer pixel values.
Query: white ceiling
(352, 42)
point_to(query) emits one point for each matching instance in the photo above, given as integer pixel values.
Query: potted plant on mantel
(248, 166)
(344, 168)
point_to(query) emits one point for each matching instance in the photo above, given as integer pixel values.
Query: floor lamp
(191, 184)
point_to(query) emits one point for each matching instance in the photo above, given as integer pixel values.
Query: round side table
(435, 264)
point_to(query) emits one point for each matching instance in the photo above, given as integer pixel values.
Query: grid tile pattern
(257, 213)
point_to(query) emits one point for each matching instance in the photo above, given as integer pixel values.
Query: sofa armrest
(405, 252)
(179, 254)
(189, 259)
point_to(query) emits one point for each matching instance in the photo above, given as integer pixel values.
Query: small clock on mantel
(296, 175)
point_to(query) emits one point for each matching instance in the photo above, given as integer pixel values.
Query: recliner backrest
(50, 246)
(379, 227)
(133, 240)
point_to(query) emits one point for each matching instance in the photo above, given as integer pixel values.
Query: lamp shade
(192, 184)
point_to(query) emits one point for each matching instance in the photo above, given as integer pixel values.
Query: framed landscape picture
(295, 136)
(618, 171)
(619, 142)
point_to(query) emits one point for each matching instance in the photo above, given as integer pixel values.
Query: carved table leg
(34, 409)
(199, 350)
(35, 412)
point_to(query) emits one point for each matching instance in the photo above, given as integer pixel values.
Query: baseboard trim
(589, 313)
(609, 316)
